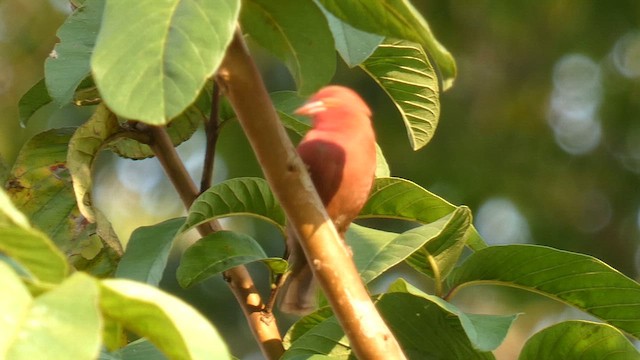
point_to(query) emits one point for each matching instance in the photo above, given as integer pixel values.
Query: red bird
(340, 154)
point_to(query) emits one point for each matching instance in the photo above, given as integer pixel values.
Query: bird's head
(335, 103)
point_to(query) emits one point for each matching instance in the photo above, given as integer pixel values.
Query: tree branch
(211, 129)
(262, 324)
(332, 265)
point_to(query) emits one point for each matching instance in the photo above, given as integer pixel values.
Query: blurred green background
(540, 136)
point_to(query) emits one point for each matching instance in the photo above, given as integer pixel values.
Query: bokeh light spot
(500, 222)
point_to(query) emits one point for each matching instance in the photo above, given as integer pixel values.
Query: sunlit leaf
(48, 326)
(353, 45)
(69, 62)
(152, 59)
(403, 71)
(84, 146)
(575, 279)
(215, 253)
(443, 250)
(33, 100)
(485, 332)
(140, 349)
(33, 250)
(238, 196)
(402, 199)
(147, 252)
(296, 32)
(579, 340)
(396, 19)
(172, 325)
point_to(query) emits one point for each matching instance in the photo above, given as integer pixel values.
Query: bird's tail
(298, 294)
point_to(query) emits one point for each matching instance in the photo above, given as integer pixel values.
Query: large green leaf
(579, 340)
(33, 100)
(238, 196)
(296, 32)
(153, 57)
(376, 251)
(215, 253)
(84, 146)
(48, 326)
(29, 247)
(425, 326)
(403, 71)
(147, 252)
(40, 186)
(353, 45)
(69, 62)
(140, 349)
(396, 19)
(440, 255)
(398, 198)
(172, 325)
(575, 279)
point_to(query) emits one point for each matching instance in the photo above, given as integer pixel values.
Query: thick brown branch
(262, 324)
(332, 265)
(211, 130)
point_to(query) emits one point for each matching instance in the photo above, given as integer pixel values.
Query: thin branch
(211, 130)
(262, 324)
(332, 265)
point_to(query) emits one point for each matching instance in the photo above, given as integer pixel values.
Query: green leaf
(84, 146)
(69, 62)
(29, 247)
(148, 252)
(33, 100)
(397, 19)
(403, 71)
(425, 326)
(179, 129)
(140, 349)
(296, 32)
(353, 45)
(402, 199)
(172, 325)
(239, 196)
(151, 60)
(215, 253)
(579, 340)
(444, 248)
(40, 186)
(575, 279)
(486, 332)
(48, 326)
(427, 329)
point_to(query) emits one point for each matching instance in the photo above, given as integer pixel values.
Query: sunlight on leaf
(152, 59)
(173, 326)
(571, 340)
(578, 280)
(84, 146)
(238, 196)
(29, 247)
(403, 71)
(397, 19)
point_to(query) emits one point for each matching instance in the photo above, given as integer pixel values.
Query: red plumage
(340, 154)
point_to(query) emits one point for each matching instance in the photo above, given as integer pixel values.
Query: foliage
(151, 65)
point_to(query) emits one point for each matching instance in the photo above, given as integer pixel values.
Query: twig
(369, 336)
(211, 130)
(263, 325)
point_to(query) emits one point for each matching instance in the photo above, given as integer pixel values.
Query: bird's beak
(311, 108)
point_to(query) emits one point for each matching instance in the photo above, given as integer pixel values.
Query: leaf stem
(437, 277)
(211, 130)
